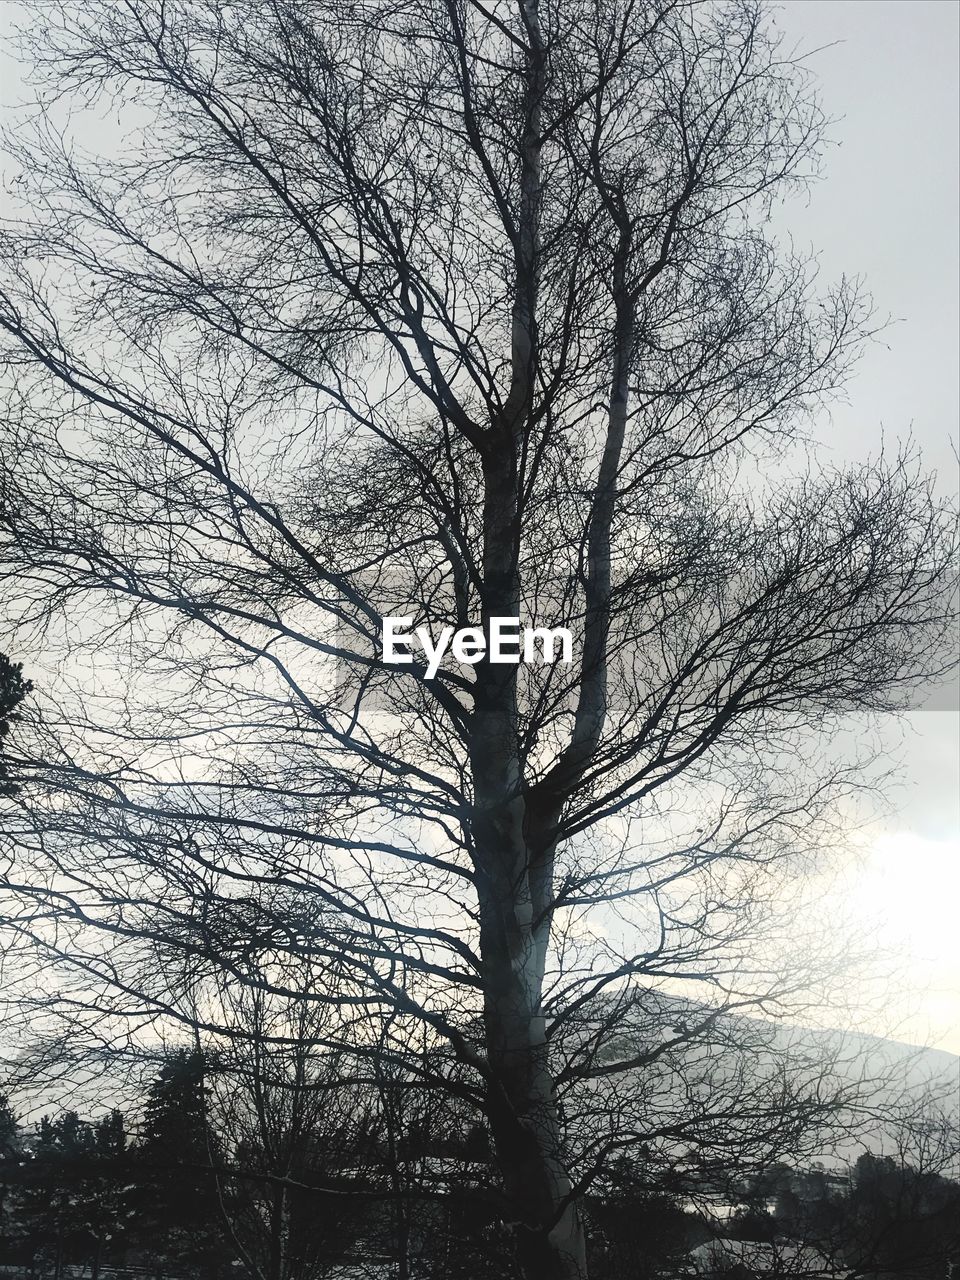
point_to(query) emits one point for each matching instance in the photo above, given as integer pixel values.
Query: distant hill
(734, 1066)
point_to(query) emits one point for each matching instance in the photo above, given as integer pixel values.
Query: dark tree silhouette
(9, 1129)
(175, 1126)
(901, 1220)
(177, 1153)
(71, 1200)
(10, 1153)
(296, 1134)
(456, 311)
(13, 689)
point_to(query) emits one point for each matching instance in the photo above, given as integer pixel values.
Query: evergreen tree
(110, 1134)
(176, 1155)
(176, 1122)
(10, 1158)
(13, 689)
(902, 1220)
(74, 1203)
(9, 1129)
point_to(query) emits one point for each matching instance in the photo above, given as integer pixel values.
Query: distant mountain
(715, 1075)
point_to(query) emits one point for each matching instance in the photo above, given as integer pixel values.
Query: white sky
(887, 209)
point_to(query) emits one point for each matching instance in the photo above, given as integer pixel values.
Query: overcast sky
(887, 209)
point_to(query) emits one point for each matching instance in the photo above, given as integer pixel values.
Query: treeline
(384, 1182)
(94, 1193)
(347, 1174)
(882, 1217)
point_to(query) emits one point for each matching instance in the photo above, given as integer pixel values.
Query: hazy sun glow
(906, 893)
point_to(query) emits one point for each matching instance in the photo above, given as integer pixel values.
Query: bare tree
(292, 1122)
(461, 312)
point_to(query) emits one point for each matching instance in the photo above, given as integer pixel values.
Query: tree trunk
(277, 1231)
(524, 1118)
(514, 881)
